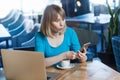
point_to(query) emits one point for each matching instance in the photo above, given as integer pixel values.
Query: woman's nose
(61, 23)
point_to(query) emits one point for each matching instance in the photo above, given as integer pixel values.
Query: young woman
(56, 41)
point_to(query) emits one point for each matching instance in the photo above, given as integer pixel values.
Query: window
(112, 3)
(27, 6)
(38, 6)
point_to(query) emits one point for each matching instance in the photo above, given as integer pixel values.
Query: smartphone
(86, 45)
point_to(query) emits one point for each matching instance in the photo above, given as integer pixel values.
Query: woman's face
(58, 24)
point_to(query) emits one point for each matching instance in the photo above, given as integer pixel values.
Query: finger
(74, 57)
(84, 51)
(82, 55)
(79, 52)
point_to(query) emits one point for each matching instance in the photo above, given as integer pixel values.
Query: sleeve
(39, 43)
(75, 44)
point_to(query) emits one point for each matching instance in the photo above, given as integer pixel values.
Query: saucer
(71, 66)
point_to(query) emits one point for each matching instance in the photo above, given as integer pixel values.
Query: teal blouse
(70, 43)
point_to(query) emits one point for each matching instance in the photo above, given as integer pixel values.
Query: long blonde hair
(50, 14)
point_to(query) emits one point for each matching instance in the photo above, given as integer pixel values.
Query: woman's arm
(81, 55)
(66, 55)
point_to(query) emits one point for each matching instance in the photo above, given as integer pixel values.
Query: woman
(56, 41)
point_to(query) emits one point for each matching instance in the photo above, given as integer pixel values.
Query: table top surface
(90, 18)
(3, 32)
(87, 71)
(94, 70)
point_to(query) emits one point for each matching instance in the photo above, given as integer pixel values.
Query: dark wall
(69, 7)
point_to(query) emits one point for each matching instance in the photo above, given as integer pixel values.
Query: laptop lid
(23, 65)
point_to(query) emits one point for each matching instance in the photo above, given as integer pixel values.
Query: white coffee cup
(65, 63)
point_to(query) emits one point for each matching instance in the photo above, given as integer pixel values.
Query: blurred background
(21, 19)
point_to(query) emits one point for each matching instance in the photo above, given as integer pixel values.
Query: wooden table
(87, 71)
(4, 35)
(84, 71)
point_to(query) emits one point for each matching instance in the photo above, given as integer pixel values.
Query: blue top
(70, 43)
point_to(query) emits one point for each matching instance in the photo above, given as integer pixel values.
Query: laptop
(25, 65)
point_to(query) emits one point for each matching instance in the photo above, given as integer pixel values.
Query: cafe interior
(94, 21)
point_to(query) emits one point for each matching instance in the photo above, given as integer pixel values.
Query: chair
(17, 30)
(36, 27)
(19, 20)
(27, 40)
(116, 50)
(13, 14)
(14, 38)
(7, 16)
(85, 36)
(20, 30)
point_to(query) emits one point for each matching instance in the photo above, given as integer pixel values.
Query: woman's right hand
(70, 55)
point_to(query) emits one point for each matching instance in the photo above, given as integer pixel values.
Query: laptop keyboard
(49, 78)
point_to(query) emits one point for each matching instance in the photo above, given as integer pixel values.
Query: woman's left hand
(82, 55)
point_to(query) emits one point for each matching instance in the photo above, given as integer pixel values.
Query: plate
(71, 66)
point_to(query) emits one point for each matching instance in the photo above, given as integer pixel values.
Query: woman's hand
(70, 55)
(82, 55)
